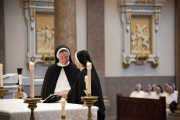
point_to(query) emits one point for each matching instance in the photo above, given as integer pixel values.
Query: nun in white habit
(174, 87)
(138, 93)
(154, 88)
(166, 85)
(170, 96)
(159, 92)
(149, 94)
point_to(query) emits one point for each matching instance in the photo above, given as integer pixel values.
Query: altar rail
(129, 108)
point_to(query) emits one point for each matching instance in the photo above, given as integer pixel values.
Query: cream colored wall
(16, 36)
(16, 40)
(114, 43)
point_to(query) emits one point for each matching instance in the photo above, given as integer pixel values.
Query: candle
(1, 75)
(63, 103)
(89, 67)
(86, 81)
(20, 79)
(31, 67)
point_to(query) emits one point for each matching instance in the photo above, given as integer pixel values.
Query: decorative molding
(31, 7)
(145, 9)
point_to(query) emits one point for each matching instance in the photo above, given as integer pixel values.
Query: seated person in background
(138, 92)
(170, 96)
(154, 87)
(60, 76)
(174, 88)
(77, 91)
(166, 85)
(159, 92)
(149, 94)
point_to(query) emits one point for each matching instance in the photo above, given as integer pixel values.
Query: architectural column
(177, 50)
(95, 34)
(2, 35)
(65, 24)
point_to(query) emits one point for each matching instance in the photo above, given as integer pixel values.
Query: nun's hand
(167, 106)
(64, 95)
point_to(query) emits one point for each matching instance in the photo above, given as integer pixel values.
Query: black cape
(53, 72)
(77, 91)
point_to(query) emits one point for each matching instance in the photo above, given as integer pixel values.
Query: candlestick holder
(89, 101)
(2, 92)
(32, 105)
(20, 93)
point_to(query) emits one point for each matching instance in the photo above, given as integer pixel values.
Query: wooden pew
(129, 108)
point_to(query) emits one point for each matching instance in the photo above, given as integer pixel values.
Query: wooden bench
(129, 108)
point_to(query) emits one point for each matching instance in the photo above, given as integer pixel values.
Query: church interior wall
(16, 40)
(114, 43)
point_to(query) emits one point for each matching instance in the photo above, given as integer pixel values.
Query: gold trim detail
(32, 19)
(128, 8)
(32, 58)
(127, 22)
(150, 1)
(32, 28)
(154, 65)
(143, 1)
(138, 58)
(157, 9)
(125, 65)
(138, 1)
(48, 61)
(63, 117)
(32, 12)
(141, 8)
(127, 30)
(48, 5)
(129, 15)
(32, 4)
(157, 16)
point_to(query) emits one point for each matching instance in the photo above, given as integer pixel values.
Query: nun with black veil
(77, 91)
(60, 76)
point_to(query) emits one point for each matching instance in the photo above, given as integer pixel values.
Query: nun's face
(165, 87)
(138, 88)
(158, 91)
(154, 88)
(64, 58)
(148, 89)
(169, 90)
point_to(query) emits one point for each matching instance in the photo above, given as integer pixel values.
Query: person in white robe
(174, 87)
(138, 93)
(166, 85)
(154, 87)
(170, 96)
(149, 94)
(159, 92)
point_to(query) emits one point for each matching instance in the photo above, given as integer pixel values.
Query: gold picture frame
(44, 32)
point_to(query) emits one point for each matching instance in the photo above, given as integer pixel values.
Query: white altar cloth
(15, 109)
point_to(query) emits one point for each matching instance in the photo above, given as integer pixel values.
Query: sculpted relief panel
(140, 39)
(44, 33)
(141, 35)
(45, 40)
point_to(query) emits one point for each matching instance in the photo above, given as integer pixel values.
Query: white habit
(136, 94)
(156, 96)
(62, 82)
(170, 97)
(149, 95)
(176, 92)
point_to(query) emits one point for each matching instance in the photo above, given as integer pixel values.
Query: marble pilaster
(65, 24)
(177, 50)
(95, 34)
(2, 34)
